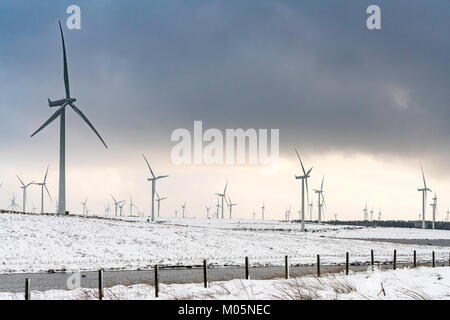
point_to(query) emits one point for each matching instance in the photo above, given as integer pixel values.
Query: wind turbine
(230, 205)
(371, 214)
(254, 214)
(335, 216)
(14, 206)
(320, 201)
(366, 215)
(62, 104)
(424, 191)
(434, 206)
(222, 195)
(159, 201)
(310, 210)
(116, 205)
(304, 179)
(44, 185)
(176, 213)
(121, 204)
(24, 187)
(217, 208)
(183, 207)
(84, 207)
(107, 210)
(262, 211)
(207, 211)
(379, 215)
(153, 180)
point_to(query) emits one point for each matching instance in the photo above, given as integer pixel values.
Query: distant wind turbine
(217, 208)
(304, 179)
(222, 196)
(117, 206)
(262, 211)
(371, 214)
(176, 213)
(107, 210)
(14, 206)
(424, 191)
(121, 204)
(43, 185)
(153, 180)
(207, 211)
(230, 205)
(379, 215)
(320, 201)
(434, 206)
(84, 207)
(254, 214)
(366, 214)
(310, 210)
(61, 113)
(24, 187)
(183, 207)
(158, 199)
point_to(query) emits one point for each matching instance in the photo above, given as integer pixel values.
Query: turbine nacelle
(59, 103)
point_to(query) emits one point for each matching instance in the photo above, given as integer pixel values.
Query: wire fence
(151, 282)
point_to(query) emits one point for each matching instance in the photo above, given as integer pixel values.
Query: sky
(363, 107)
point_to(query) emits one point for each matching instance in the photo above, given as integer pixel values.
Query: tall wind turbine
(44, 185)
(24, 187)
(319, 201)
(230, 205)
(153, 180)
(424, 191)
(61, 113)
(116, 205)
(304, 179)
(434, 206)
(222, 195)
(121, 204)
(158, 199)
(14, 206)
(207, 211)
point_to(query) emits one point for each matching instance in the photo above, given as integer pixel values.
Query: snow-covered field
(39, 243)
(419, 283)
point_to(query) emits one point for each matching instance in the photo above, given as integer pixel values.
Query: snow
(418, 283)
(32, 243)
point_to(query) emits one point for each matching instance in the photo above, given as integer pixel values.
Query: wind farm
(217, 149)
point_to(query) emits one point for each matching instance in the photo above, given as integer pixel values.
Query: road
(89, 279)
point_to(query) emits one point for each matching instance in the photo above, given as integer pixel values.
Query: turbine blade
(78, 111)
(23, 184)
(148, 164)
(423, 176)
(53, 117)
(45, 186)
(303, 168)
(114, 199)
(321, 186)
(66, 72)
(224, 190)
(45, 177)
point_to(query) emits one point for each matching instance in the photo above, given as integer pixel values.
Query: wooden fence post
(395, 259)
(286, 267)
(415, 259)
(347, 261)
(247, 275)
(156, 281)
(372, 261)
(205, 275)
(27, 289)
(100, 284)
(318, 265)
(434, 260)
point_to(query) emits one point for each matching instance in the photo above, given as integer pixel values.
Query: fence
(148, 283)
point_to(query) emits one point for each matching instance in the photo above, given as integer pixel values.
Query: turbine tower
(379, 215)
(262, 211)
(424, 191)
(153, 180)
(207, 211)
(116, 205)
(320, 201)
(371, 214)
(61, 113)
(24, 187)
(434, 206)
(158, 199)
(217, 208)
(366, 215)
(310, 210)
(222, 196)
(44, 185)
(304, 179)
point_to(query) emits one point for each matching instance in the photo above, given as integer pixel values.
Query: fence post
(246, 268)
(100, 284)
(346, 263)
(286, 267)
(27, 289)
(395, 259)
(156, 281)
(205, 275)
(434, 260)
(372, 261)
(318, 265)
(415, 259)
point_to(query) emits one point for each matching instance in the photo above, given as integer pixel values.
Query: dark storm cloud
(310, 68)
